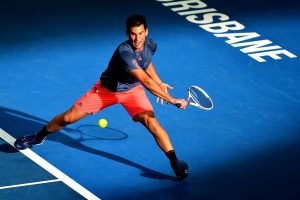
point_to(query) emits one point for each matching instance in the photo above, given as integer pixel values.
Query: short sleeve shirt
(116, 77)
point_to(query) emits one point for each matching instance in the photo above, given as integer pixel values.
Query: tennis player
(129, 71)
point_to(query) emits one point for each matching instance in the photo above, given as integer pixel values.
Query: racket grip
(178, 105)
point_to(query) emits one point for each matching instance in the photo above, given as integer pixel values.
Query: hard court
(245, 54)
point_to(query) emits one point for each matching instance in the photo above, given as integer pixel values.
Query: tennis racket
(199, 98)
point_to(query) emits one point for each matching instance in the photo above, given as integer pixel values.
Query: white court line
(28, 184)
(50, 168)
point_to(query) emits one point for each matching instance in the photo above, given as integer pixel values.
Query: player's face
(137, 36)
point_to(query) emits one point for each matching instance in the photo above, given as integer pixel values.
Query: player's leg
(72, 115)
(57, 123)
(140, 109)
(161, 137)
(90, 103)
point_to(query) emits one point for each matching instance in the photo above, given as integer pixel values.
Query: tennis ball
(102, 123)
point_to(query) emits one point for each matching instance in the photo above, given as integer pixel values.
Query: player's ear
(147, 32)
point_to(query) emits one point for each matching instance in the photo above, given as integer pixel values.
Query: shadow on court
(6, 148)
(273, 175)
(26, 123)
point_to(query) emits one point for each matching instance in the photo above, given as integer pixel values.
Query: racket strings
(194, 96)
(200, 98)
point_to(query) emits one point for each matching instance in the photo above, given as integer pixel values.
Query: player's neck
(137, 49)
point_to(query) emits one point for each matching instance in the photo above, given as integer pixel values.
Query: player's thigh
(136, 102)
(95, 100)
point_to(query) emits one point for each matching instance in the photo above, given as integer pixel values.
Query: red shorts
(134, 101)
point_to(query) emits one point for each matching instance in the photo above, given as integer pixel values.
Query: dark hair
(134, 21)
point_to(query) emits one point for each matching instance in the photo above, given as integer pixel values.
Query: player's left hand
(164, 87)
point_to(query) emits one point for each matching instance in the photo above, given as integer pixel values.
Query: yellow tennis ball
(102, 123)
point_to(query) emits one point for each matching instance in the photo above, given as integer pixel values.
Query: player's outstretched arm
(155, 88)
(152, 73)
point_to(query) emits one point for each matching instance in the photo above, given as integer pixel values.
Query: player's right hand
(180, 103)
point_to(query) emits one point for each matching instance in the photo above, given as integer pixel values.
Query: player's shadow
(18, 124)
(7, 148)
(74, 143)
(85, 132)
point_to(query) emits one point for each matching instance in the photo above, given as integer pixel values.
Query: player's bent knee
(67, 119)
(144, 116)
(72, 115)
(148, 119)
(153, 123)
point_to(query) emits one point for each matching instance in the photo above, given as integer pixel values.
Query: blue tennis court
(244, 54)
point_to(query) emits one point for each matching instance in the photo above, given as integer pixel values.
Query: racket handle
(178, 105)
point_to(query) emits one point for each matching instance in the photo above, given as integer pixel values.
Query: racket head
(199, 98)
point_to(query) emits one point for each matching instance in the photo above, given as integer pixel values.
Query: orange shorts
(135, 101)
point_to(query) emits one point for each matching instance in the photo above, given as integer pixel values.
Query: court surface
(247, 147)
